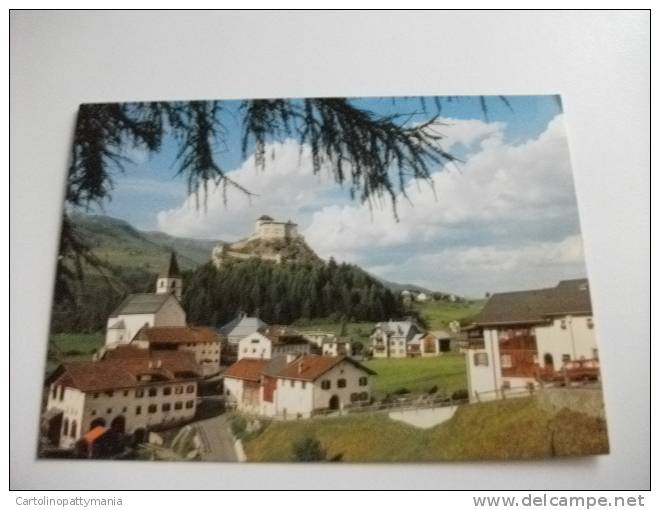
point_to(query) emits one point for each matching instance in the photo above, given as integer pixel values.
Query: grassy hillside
(119, 244)
(438, 314)
(418, 375)
(506, 429)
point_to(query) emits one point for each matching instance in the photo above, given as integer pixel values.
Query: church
(149, 310)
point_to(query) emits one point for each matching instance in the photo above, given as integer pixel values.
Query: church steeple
(169, 278)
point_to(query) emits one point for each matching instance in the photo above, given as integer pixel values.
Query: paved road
(217, 438)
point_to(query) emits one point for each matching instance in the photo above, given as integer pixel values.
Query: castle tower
(169, 279)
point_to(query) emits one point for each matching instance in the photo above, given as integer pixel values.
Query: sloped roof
(135, 304)
(397, 328)
(241, 326)
(170, 269)
(310, 367)
(279, 334)
(118, 325)
(534, 306)
(441, 334)
(122, 368)
(178, 335)
(247, 369)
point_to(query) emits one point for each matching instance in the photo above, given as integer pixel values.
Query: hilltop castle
(266, 231)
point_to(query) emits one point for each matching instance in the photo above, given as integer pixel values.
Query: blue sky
(150, 184)
(505, 218)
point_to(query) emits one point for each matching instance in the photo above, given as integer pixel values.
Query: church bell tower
(169, 279)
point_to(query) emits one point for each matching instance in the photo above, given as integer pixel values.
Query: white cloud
(504, 200)
(465, 132)
(505, 219)
(286, 189)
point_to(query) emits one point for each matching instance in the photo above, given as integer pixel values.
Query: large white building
(129, 391)
(296, 387)
(521, 338)
(148, 310)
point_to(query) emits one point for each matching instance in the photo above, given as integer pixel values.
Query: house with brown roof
(296, 387)
(203, 342)
(270, 341)
(130, 390)
(520, 338)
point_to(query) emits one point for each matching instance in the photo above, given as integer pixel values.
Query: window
(126, 393)
(109, 393)
(138, 409)
(304, 384)
(178, 405)
(480, 359)
(190, 404)
(167, 391)
(62, 393)
(565, 358)
(594, 353)
(506, 385)
(74, 428)
(341, 383)
(124, 409)
(54, 392)
(166, 407)
(139, 393)
(65, 427)
(109, 410)
(178, 390)
(190, 388)
(152, 408)
(173, 284)
(325, 385)
(363, 381)
(153, 392)
(92, 412)
(364, 395)
(96, 395)
(506, 361)
(590, 323)
(292, 383)
(355, 397)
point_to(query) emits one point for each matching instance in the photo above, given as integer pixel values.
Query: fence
(401, 404)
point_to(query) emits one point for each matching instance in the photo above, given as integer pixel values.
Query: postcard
(385, 279)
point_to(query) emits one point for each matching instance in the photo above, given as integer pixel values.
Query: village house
(390, 339)
(271, 341)
(522, 338)
(130, 391)
(203, 342)
(139, 310)
(296, 387)
(234, 331)
(336, 346)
